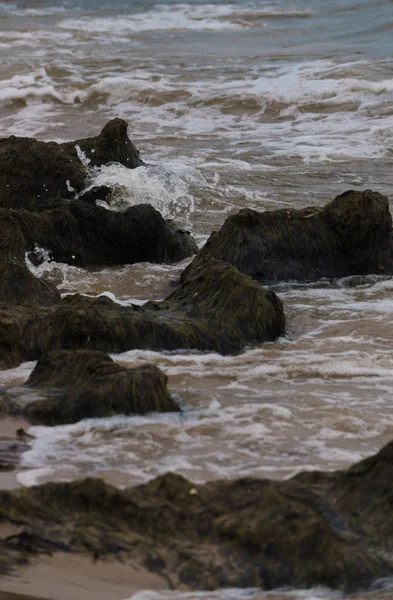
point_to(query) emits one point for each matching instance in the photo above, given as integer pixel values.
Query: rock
(244, 533)
(351, 235)
(81, 234)
(10, 453)
(32, 172)
(97, 192)
(215, 309)
(85, 384)
(19, 286)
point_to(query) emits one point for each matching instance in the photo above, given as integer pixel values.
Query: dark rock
(217, 308)
(84, 384)
(245, 533)
(10, 453)
(19, 286)
(112, 145)
(78, 233)
(98, 192)
(351, 235)
(32, 172)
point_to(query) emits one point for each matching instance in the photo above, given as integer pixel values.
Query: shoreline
(64, 576)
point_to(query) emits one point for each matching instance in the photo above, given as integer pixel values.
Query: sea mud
(314, 529)
(32, 172)
(352, 235)
(216, 308)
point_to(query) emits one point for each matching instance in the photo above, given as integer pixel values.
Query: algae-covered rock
(351, 235)
(19, 286)
(244, 533)
(81, 234)
(31, 172)
(84, 384)
(216, 308)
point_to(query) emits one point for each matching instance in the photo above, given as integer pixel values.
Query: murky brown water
(256, 104)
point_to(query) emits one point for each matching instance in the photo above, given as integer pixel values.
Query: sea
(265, 104)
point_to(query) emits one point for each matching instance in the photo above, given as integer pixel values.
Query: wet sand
(65, 576)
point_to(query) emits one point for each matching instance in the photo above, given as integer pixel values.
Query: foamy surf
(241, 594)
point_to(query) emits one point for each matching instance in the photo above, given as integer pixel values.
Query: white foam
(166, 187)
(66, 277)
(317, 593)
(33, 476)
(36, 85)
(162, 18)
(17, 375)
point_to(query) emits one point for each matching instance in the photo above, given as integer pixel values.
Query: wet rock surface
(32, 172)
(19, 286)
(81, 234)
(84, 384)
(313, 529)
(216, 308)
(351, 235)
(10, 453)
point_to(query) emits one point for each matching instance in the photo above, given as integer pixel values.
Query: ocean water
(264, 104)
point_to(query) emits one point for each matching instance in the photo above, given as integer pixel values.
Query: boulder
(19, 286)
(78, 233)
(244, 533)
(351, 235)
(31, 171)
(216, 308)
(84, 384)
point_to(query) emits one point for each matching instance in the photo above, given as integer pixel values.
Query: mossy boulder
(84, 384)
(244, 533)
(19, 286)
(78, 233)
(351, 235)
(216, 308)
(32, 172)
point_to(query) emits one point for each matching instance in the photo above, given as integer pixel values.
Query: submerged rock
(216, 308)
(19, 286)
(84, 384)
(32, 172)
(81, 234)
(351, 235)
(245, 533)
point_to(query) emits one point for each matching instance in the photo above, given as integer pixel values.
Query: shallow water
(232, 104)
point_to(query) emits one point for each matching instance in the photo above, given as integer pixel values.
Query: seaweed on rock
(81, 234)
(245, 533)
(351, 235)
(32, 172)
(82, 384)
(216, 308)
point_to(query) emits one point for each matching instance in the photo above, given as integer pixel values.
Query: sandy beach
(64, 576)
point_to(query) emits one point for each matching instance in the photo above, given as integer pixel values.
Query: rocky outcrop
(81, 234)
(245, 533)
(351, 235)
(32, 172)
(84, 384)
(215, 309)
(19, 286)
